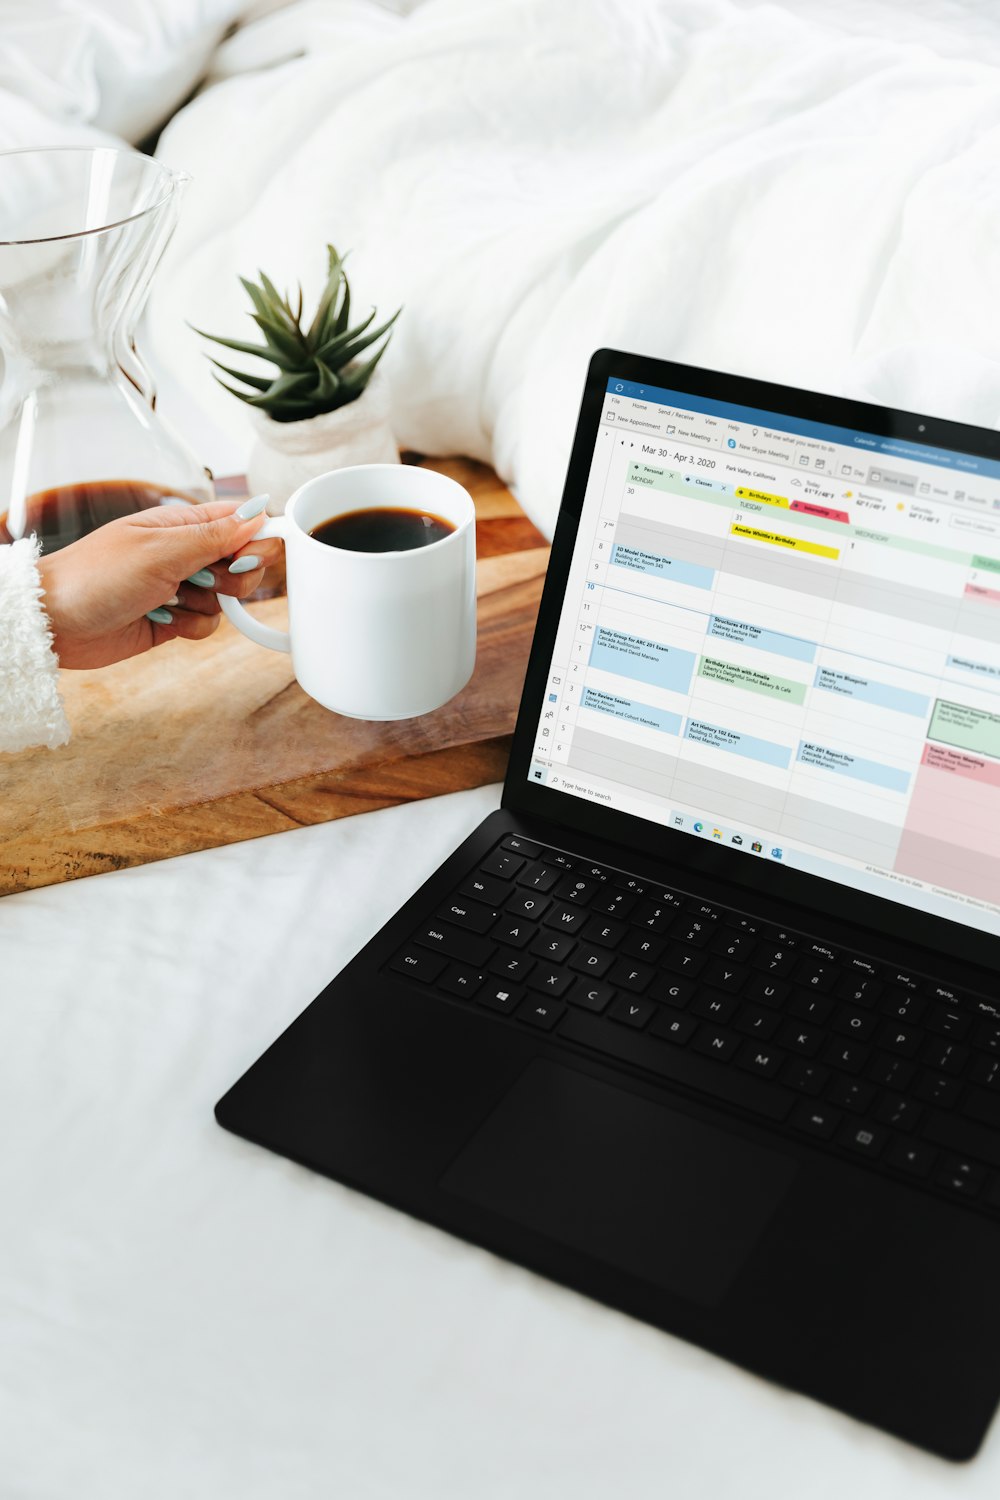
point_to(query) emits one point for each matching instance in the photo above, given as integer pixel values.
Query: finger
(225, 580)
(201, 601)
(191, 537)
(187, 624)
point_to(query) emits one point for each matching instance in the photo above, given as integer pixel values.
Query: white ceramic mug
(375, 635)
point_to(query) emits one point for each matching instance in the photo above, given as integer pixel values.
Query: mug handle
(234, 611)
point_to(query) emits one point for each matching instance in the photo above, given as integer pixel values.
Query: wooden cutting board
(198, 744)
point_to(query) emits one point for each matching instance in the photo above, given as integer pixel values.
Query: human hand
(99, 590)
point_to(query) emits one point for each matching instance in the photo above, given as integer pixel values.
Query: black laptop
(705, 1021)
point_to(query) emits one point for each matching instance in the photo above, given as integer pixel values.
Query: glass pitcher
(81, 232)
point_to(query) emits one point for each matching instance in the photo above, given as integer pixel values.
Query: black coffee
(384, 528)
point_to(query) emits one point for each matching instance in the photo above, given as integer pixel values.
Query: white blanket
(713, 182)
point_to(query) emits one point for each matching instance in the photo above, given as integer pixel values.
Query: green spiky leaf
(318, 368)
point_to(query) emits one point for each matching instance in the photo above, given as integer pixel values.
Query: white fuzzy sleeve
(31, 711)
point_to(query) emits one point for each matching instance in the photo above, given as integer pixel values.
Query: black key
(591, 996)
(553, 947)
(935, 1088)
(686, 961)
(742, 924)
(859, 989)
(519, 845)
(594, 872)
(466, 947)
(723, 975)
(669, 990)
(631, 884)
(891, 1071)
(816, 1119)
(679, 1064)
(900, 1113)
(665, 898)
(595, 961)
(565, 918)
(549, 981)
(486, 888)
(850, 1056)
(693, 930)
(947, 1021)
(805, 1040)
(822, 952)
(653, 917)
(631, 1011)
(854, 1023)
(735, 945)
(631, 976)
(572, 888)
(504, 865)
(778, 962)
(957, 1134)
(604, 930)
(903, 1006)
(851, 1093)
(760, 1059)
(462, 981)
(468, 914)
(649, 949)
(988, 1037)
(528, 904)
(712, 1006)
(612, 903)
(557, 857)
(505, 997)
(715, 1042)
(815, 1008)
(541, 1013)
(944, 1056)
(672, 1027)
(773, 992)
(813, 976)
(865, 1139)
(910, 1157)
(983, 1107)
(807, 1077)
(516, 932)
(960, 1176)
(511, 965)
(539, 877)
(754, 1021)
(417, 965)
(985, 1070)
(902, 1039)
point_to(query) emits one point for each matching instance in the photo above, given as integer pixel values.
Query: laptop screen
(784, 637)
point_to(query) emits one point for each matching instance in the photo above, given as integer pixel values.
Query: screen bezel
(527, 798)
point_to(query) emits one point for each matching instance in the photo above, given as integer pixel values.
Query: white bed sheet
(777, 190)
(183, 1314)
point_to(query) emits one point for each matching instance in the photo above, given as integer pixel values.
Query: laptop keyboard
(874, 1064)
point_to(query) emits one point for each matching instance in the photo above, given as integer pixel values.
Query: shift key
(680, 1066)
(466, 947)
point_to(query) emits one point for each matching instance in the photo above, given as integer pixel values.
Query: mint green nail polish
(172, 600)
(245, 564)
(251, 508)
(160, 616)
(203, 578)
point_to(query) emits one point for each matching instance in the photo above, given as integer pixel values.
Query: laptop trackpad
(637, 1184)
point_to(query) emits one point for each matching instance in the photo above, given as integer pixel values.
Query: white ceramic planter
(286, 454)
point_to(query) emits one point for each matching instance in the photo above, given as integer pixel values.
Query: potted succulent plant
(323, 408)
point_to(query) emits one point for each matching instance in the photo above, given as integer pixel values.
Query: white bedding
(735, 185)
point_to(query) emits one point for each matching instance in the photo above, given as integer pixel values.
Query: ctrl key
(416, 965)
